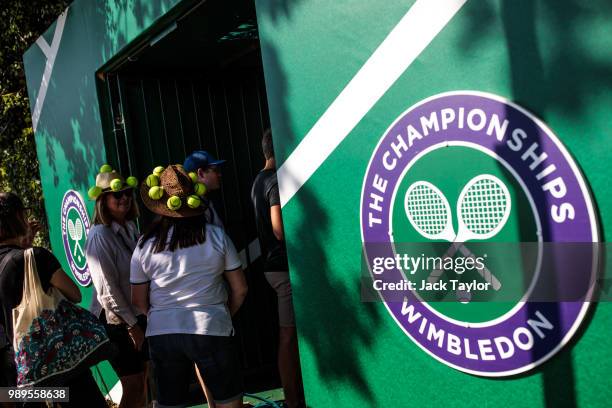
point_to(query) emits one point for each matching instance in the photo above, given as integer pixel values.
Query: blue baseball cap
(200, 159)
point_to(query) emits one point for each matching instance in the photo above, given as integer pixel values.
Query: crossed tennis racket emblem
(75, 230)
(482, 210)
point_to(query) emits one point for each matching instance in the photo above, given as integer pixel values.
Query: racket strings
(427, 209)
(78, 229)
(71, 230)
(484, 206)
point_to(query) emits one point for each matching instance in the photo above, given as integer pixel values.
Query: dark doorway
(197, 83)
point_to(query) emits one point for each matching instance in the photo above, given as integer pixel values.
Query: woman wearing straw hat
(110, 244)
(177, 274)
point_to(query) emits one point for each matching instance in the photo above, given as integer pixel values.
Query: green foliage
(21, 23)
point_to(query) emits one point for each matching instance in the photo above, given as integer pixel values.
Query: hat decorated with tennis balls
(171, 192)
(109, 180)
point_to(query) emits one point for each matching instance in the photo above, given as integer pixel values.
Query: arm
(140, 283)
(238, 289)
(277, 222)
(140, 297)
(273, 197)
(235, 277)
(61, 281)
(28, 238)
(105, 274)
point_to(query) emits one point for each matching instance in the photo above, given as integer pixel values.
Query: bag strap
(31, 281)
(10, 255)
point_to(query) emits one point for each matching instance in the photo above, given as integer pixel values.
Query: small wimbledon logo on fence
(468, 166)
(75, 226)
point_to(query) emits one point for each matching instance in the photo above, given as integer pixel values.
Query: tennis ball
(156, 192)
(174, 203)
(193, 201)
(152, 180)
(94, 192)
(106, 168)
(132, 181)
(200, 189)
(194, 177)
(158, 170)
(116, 184)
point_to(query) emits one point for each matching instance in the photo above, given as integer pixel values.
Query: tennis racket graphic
(75, 230)
(483, 208)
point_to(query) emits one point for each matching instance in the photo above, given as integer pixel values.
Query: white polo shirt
(187, 292)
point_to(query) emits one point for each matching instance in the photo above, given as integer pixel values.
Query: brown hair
(186, 232)
(103, 216)
(12, 221)
(266, 144)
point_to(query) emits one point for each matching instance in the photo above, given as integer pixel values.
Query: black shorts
(173, 357)
(126, 360)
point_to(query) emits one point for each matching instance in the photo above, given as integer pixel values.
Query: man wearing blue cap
(208, 170)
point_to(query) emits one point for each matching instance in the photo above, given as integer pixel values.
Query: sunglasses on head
(118, 194)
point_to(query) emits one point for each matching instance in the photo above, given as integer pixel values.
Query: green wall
(552, 57)
(69, 138)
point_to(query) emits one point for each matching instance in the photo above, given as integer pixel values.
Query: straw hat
(109, 180)
(172, 193)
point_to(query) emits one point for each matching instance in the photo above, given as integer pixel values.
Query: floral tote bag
(54, 339)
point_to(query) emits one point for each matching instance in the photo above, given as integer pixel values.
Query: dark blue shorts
(174, 355)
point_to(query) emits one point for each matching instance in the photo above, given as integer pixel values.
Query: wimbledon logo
(512, 181)
(482, 209)
(75, 226)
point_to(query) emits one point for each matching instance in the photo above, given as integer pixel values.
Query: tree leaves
(21, 23)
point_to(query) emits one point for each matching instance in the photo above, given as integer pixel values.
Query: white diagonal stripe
(44, 46)
(414, 32)
(50, 54)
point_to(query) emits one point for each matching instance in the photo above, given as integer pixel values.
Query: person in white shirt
(178, 273)
(110, 243)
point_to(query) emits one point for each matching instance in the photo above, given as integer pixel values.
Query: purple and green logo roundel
(75, 226)
(463, 168)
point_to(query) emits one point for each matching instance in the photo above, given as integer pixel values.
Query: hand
(137, 336)
(33, 228)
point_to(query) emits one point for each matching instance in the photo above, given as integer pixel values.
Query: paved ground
(274, 395)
